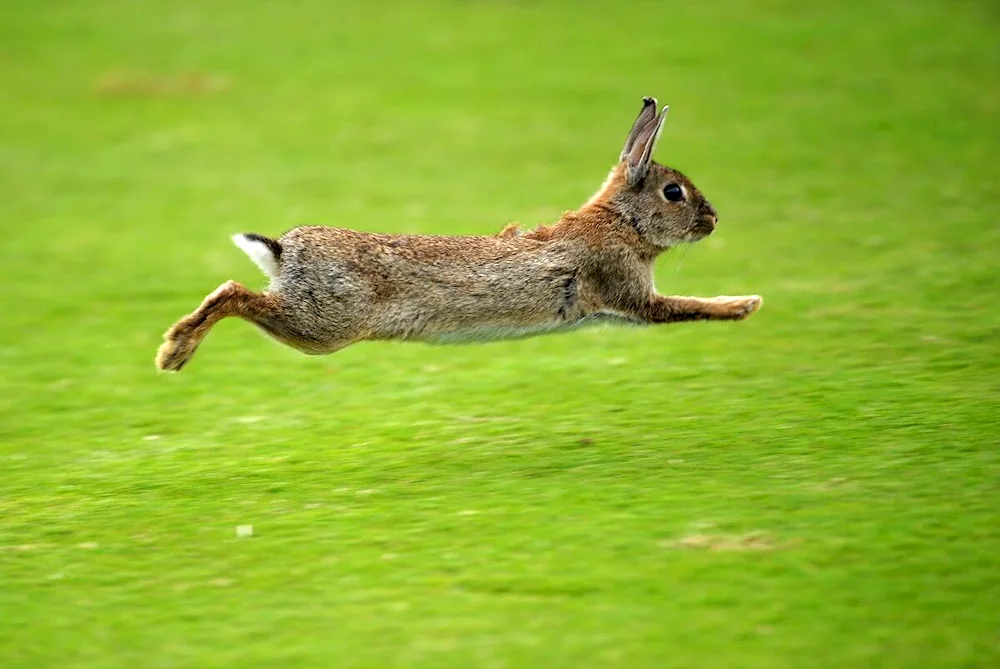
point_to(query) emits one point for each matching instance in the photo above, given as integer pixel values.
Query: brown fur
(336, 286)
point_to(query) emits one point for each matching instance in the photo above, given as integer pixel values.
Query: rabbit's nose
(708, 210)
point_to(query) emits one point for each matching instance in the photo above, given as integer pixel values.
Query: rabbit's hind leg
(230, 299)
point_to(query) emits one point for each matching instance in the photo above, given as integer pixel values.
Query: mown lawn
(815, 487)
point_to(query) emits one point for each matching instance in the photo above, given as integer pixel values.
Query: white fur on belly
(486, 333)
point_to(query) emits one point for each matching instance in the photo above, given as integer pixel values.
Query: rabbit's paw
(177, 348)
(738, 308)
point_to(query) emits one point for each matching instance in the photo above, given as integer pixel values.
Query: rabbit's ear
(641, 152)
(646, 115)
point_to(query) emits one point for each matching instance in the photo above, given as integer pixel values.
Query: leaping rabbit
(331, 287)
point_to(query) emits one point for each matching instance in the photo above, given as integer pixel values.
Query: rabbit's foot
(738, 307)
(178, 346)
(182, 339)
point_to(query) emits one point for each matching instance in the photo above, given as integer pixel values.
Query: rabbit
(331, 287)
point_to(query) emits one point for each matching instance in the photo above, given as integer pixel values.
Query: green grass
(816, 487)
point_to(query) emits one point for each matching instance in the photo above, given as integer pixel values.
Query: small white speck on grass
(467, 512)
(249, 420)
(244, 531)
(151, 437)
(88, 545)
(617, 362)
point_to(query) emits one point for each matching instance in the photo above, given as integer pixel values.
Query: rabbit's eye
(673, 193)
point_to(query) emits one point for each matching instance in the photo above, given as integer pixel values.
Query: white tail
(263, 251)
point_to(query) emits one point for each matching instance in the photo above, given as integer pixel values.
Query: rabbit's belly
(486, 333)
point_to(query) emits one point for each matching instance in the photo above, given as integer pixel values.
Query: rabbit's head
(662, 204)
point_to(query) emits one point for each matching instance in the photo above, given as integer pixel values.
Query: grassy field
(816, 487)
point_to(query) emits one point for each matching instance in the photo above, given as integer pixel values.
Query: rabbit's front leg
(672, 309)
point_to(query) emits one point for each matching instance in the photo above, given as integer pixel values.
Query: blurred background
(816, 486)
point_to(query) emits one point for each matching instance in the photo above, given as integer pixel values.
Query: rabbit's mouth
(703, 227)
